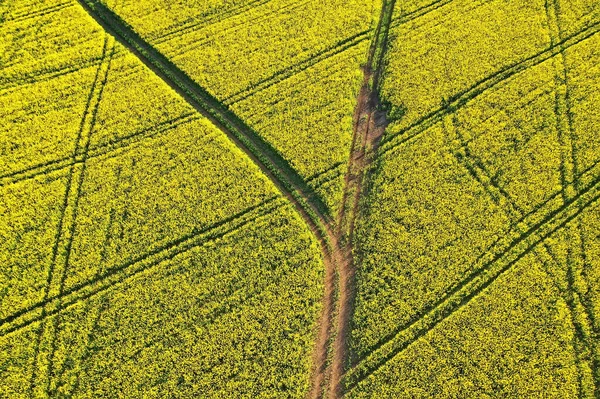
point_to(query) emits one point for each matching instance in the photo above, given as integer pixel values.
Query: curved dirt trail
(265, 157)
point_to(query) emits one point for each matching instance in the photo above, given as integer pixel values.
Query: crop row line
(262, 153)
(96, 151)
(57, 164)
(419, 12)
(332, 169)
(295, 69)
(81, 170)
(143, 263)
(564, 123)
(567, 170)
(458, 100)
(432, 7)
(9, 84)
(257, 118)
(524, 101)
(111, 148)
(477, 169)
(585, 298)
(186, 47)
(147, 262)
(217, 18)
(96, 314)
(125, 184)
(237, 297)
(478, 280)
(40, 12)
(473, 163)
(584, 345)
(531, 217)
(68, 213)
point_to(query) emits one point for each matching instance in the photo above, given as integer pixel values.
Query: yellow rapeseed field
(300, 199)
(288, 68)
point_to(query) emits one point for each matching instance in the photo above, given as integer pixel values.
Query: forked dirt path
(369, 125)
(335, 236)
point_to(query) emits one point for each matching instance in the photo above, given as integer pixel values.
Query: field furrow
(67, 223)
(292, 70)
(484, 170)
(158, 202)
(216, 18)
(117, 275)
(114, 145)
(267, 158)
(38, 13)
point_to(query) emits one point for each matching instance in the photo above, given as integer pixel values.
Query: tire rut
(257, 149)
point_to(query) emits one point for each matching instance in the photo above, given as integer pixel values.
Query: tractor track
(118, 274)
(260, 152)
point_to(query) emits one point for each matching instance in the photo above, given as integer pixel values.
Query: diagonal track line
(46, 75)
(295, 69)
(237, 297)
(528, 218)
(291, 184)
(477, 170)
(419, 12)
(187, 47)
(476, 282)
(113, 146)
(308, 204)
(428, 9)
(62, 221)
(50, 166)
(457, 101)
(39, 13)
(96, 151)
(203, 22)
(134, 267)
(75, 209)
